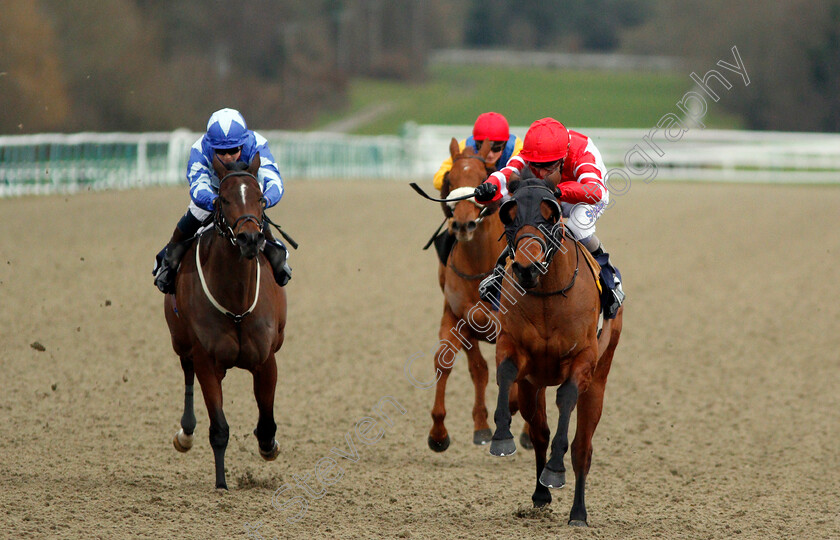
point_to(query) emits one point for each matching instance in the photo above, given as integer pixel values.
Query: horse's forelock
(236, 166)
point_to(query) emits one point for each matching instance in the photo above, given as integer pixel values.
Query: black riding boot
(276, 254)
(169, 258)
(613, 295)
(444, 242)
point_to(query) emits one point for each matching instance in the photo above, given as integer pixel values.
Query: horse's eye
(223, 200)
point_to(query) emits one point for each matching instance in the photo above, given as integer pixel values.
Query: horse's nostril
(471, 226)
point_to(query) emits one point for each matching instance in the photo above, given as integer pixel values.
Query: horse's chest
(246, 346)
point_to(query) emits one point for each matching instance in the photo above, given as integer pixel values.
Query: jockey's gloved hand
(485, 192)
(558, 192)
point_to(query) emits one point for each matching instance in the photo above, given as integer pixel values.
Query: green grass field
(457, 94)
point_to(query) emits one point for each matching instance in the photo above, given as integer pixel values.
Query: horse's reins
(455, 196)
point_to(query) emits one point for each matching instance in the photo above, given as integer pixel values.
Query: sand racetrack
(721, 419)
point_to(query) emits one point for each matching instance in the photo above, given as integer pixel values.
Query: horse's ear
(486, 145)
(454, 147)
(255, 164)
(219, 167)
(550, 210)
(507, 212)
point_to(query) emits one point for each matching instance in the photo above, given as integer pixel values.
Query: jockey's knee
(189, 224)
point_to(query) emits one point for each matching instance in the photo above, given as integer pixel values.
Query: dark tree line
(592, 25)
(790, 48)
(139, 65)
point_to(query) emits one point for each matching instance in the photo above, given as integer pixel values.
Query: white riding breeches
(198, 213)
(580, 218)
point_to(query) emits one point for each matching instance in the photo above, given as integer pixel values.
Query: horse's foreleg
(184, 438)
(265, 381)
(533, 410)
(502, 443)
(554, 473)
(444, 359)
(211, 388)
(479, 374)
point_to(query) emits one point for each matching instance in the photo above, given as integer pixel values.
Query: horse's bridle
(550, 249)
(228, 231)
(484, 211)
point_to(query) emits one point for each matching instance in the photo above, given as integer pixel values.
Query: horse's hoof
(222, 489)
(439, 446)
(541, 501)
(272, 454)
(482, 436)
(578, 523)
(182, 441)
(525, 441)
(503, 447)
(552, 479)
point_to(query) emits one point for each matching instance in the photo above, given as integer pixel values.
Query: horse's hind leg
(554, 474)
(479, 374)
(590, 405)
(184, 438)
(265, 381)
(589, 413)
(211, 388)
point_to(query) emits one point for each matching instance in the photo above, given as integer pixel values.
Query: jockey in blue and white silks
(226, 129)
(228, 139)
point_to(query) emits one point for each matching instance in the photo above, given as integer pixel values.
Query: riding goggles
(228, 151)
(547, 166)
(498, 146)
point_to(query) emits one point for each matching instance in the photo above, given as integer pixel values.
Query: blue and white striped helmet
(226, 129)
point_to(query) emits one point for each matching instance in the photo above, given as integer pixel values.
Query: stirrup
(612, 299)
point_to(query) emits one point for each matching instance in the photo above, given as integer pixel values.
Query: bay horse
(478, 244)
(228, 311)
(549, 337)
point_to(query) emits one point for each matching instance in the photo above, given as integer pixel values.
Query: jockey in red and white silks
(572, 162)
(554, 150)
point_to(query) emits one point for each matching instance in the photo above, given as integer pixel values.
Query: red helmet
(547, 140)
(492, 126)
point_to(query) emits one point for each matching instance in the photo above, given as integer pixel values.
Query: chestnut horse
(478, 243)
(549, 337)
(228, 311)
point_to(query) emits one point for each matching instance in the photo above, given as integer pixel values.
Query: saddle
(594, 267)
